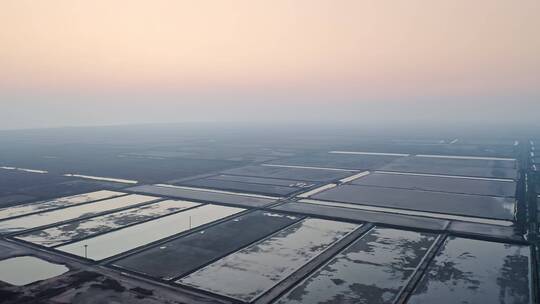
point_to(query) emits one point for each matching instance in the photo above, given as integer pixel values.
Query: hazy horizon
(357, 63)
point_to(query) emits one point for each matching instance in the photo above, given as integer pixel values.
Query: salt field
(113, 243)
(56, 203)
(459, 167)
(202, 247)
(55, 236)
(23, 270)
(374, 269)
(438, 202)
(319, 175)
(349, 161)
(504, 188)
(248, 273)
(481, 271)
(270, 152)
(85, 210)
(400, 221)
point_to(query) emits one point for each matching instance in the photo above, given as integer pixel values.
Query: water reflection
(76, 230)
(473, 271)
(372, 270)
(51, 217)
(24, 270)
(113, 243)
(248, 273)
(198, 249)
(56, 203)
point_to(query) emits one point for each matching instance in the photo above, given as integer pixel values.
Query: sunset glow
(367, 49)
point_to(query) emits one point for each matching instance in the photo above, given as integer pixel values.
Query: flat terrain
(193, 214)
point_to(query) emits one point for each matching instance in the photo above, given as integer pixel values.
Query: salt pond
(51, 217)
(24, 270)
(113, 243)
(56, 203)
(249, 273)
(81, 229)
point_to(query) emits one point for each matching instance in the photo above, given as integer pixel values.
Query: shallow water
(198, 249)
(107, 179)
(501, 208)
(474, 271)
(250, 200)
(51, 217)
(24, 270)
(56, 203)
(464, 167)
(113, 243)
(76, 230)
(410, 212)
(249, 273)
(440, 184)
(372, 270)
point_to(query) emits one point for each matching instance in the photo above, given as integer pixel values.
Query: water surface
(249, 273)
(372, 270)
(24, 270)
(80, 229)
(70, 213)
(474, 271)
(56, 203)
(113, 243)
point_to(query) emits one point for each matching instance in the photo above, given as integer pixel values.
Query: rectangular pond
(318, 175)
(204, 196)
(71, 213)
(502, 188)
(56, 203)
(250, 272)
(339, 160)
(394, 211)
(110, 244)
(449, 167)
(373, 269)
(242, 187)
(261, 180)
(24, 270)
(339, 212)
(183, 255)
(55, 236)
(464, 161)
(474, 271)
(450, 203)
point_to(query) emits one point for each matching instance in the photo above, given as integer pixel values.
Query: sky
(106, 62)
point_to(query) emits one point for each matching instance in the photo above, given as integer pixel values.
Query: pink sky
(280, 52)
